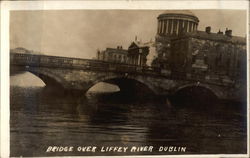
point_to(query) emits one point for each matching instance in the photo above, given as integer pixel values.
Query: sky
(80, 33)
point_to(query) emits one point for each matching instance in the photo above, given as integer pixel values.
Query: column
(172, 27)
(166, 27)
(191, 23)
(177, 27)
(173, 23)
(190, 26)
(139, 58)
(187, 26)
(159, 31)
(158, 28)
(180, 26)
(162, 29)
(193, 26)
(169, 26)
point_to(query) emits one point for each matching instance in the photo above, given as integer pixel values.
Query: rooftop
(214, 37)
(184, 12)
(116, 50)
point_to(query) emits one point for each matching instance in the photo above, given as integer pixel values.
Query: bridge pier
(60, 91)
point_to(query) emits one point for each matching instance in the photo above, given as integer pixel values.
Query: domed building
(171, 24)
(184, 51)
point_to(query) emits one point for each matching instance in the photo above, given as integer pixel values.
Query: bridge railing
(77, 63)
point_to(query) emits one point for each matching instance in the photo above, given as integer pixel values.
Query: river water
(39, 120)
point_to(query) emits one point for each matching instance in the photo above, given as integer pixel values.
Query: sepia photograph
(121, 82)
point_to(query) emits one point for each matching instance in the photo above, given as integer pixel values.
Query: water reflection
(40, 119)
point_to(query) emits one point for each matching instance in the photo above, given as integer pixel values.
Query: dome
(178, 14)
(183, 12)
(175, 22)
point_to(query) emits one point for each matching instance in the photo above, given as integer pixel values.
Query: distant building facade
(118, 55)
(22, 50)
(137, 53)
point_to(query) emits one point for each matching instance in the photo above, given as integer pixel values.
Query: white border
(129, 4)
(7, 6)
(5, 112)
(248, 73)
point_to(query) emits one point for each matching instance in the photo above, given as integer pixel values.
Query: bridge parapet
(77, 63)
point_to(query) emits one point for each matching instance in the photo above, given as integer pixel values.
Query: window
(205, 59)
(228, 63)
(193, 58)
(238, 64)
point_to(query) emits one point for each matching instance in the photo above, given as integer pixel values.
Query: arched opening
(119, 90)
(103, 87)
(26, 79)
(36, 79)
(194, 95)
(126, 87)
(131, 86)
(25, 89)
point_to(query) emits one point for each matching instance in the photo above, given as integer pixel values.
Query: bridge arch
(198, 91)
(125, 83)
(49, 78)
(210, 88)
(24, 79)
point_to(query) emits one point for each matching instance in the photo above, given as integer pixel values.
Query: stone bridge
(79, 75)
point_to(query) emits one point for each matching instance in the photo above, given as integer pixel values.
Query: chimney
(208, 29)
(228, 33)
(220, 32)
